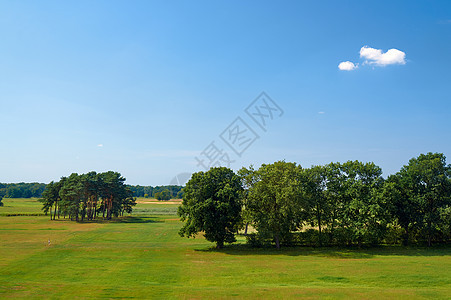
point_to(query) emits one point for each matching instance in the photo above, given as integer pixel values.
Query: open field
(142, 256)
(21, 206)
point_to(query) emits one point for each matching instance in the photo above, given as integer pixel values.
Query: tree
(364, 215)
(163, 195)
(274, 201)
(50, 198)
(248, 177)
(22, 190)
(426, 180)
(71, 196)
(404, 209)
(346, 198)
(2, 193)
(179, 194)
(78, 196)
(112, 183)
(212, 205)
(314, 185)
(335, 197)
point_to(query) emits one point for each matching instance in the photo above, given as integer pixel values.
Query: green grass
(22, 206)
(142, 256)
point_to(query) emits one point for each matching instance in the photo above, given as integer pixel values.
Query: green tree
(365, 216)
(248, 178)
(212, 205)
(2, 193)
(274, 201)
(78, 196)
(71, 196)
(50, 198)
(179, 194)
(426, 180)
(113, 192)
(335, 194)
(404, 209)
(314, 186)
(163, 195)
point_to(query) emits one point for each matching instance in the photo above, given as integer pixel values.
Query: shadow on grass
(130, 219)
(127, 219)
(335, 252)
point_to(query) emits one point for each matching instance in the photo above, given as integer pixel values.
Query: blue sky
(143, 87)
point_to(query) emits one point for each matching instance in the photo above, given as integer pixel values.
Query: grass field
(142, 256)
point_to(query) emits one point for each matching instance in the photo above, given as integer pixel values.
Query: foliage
(348, 203)
(88, 195)
(273, 200)
(150, 191)
(364, 214)
(425, 188)
(21, 190)
(212, 205)
(163, 195)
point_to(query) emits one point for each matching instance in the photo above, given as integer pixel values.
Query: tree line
(21, 190)
(35, 190)
(88, 196)
(335, 204)
(165, 192)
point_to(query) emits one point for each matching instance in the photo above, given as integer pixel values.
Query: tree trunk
(245, 229)
(331, 240)
(405, 241)
(89, 212)
(110, 209)
(219, 244)
(54, 214)
(319, 225)
(277, 241)
(95, 209)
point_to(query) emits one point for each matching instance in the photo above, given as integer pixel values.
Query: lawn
(142, 256)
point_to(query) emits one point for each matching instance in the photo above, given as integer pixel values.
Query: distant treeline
(175, 191)
(30, 190)
(21, 190)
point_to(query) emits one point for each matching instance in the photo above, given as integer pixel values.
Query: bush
(163, 195)
(394, 234)
(255, 240)
(308, 237)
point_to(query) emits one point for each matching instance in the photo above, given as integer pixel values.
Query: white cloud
(100, 145)
(347, 66)
(321, 112)
(376, 57)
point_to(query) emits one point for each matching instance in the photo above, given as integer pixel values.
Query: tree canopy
(274, 203)
(336, 204)
(87, 196)
(22, 190)
(212, 205)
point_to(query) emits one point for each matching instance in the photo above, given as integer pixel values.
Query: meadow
(142, 256)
